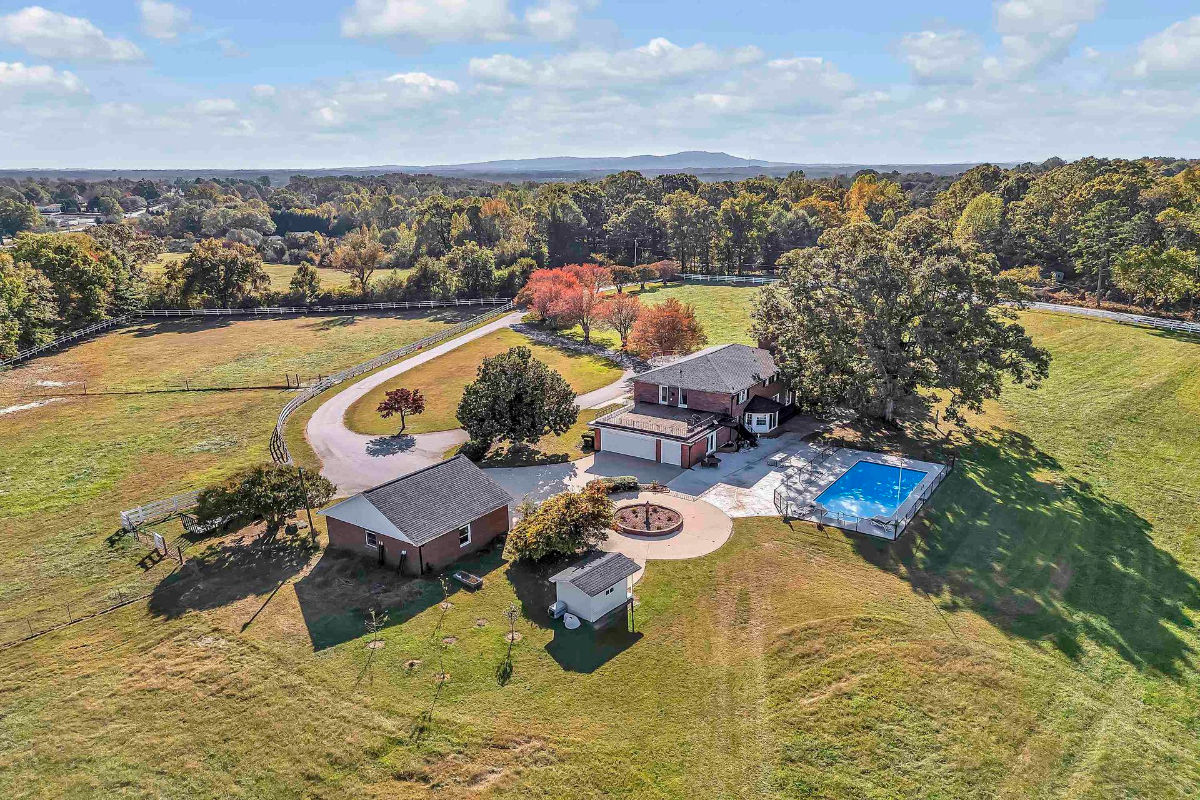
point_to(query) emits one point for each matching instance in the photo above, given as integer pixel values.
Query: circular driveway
(705, 529)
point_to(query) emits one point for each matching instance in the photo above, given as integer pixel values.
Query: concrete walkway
(705, 529)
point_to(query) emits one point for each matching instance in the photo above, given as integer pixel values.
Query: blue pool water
(870, 490)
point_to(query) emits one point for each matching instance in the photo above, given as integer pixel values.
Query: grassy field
(724, 311)
(442, 382)
(70, 466)
(280, 274)
(1034, 637)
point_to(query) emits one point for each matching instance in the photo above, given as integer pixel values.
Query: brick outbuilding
(423, 520)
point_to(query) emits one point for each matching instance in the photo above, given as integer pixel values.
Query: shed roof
(723, 368)
(598, 572)
(425, 504)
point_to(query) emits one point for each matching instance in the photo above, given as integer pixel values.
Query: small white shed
(596, 585)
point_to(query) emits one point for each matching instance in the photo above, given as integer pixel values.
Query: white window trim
(741, 398)
(682, 397)
(610, 589)
(372, 535)
(664, 395)
(461, 543)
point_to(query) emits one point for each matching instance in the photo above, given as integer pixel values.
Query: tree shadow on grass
(1046, 557)
(246, 564)
(339, 591)
(584, 649)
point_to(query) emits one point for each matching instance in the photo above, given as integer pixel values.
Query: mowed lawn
(443, 380)
(280, 274)
(723, 311)
(71, 465)
(1033, 637)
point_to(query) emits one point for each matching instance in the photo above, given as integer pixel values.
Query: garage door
(672, 452)
(629, 444)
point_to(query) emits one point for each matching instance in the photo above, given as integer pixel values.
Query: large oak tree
(872, 317)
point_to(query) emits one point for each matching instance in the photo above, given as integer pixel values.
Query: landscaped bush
(562, 526)
(619, 483)
(475, 449)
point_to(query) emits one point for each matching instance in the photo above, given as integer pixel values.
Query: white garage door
(672, 452)
(629, 444)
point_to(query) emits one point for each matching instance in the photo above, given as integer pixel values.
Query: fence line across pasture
(278, 444)
(166, 508)
(271, 311)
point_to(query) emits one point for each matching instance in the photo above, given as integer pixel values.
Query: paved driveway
(354, 461)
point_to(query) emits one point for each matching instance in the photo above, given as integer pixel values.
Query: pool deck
(801, 486)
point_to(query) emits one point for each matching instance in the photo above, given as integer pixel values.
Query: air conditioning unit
(557, 609)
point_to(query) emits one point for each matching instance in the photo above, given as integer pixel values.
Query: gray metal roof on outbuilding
(724, 368)
(438, 499)
(598, 572)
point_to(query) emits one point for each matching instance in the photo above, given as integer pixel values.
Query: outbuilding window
(464, 536)
(372, 539)
(609, 590)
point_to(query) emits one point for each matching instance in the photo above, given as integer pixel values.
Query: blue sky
(150, 83)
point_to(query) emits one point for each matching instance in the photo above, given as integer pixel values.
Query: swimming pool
(869, 489)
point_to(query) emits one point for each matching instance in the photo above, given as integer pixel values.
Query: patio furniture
(469, 580)
(710, 461)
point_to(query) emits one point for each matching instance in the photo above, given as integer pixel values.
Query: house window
(372, 539)
(609, 590)
(762, 419)
(741, 398)
(662, 395)
(683, 398)
(464, 536)
(776, 397)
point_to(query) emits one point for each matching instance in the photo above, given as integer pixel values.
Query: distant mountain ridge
(705, 165)
(688, 159)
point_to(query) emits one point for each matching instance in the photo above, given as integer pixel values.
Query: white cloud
(20, 81)
(1035, 34)
(941, 56)
(553, 20)
(49, 34)
(1172, 54)
(429, 20)
(162, 20)
(215, 107)
(263, 90)
(658, 61)
(1024, 17)
(359, 103)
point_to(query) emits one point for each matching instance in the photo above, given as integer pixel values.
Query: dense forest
(1100, 229)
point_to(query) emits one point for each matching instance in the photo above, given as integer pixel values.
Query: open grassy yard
(724, 311)
(71, 465)
(1033, 637)
(280, 274)
(442, 382)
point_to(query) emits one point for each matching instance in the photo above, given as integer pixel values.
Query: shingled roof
(425, 504)
(598, 572)
(724, 368)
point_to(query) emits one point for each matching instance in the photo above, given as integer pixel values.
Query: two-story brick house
(688, 409)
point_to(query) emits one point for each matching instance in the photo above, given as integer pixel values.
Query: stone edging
(541, 336)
